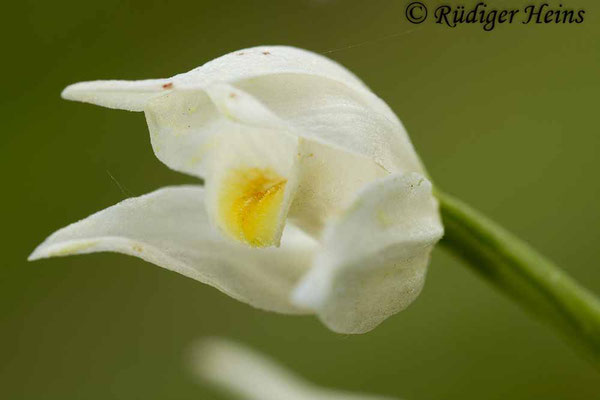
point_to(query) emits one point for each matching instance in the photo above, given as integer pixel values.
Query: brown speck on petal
(241, 53)
(167, 85)
(232, 95)
(266, 53)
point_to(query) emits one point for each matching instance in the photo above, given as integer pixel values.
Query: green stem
(521, 272)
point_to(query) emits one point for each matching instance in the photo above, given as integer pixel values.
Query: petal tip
(35, 255)
(61, 249)
(69, 92)
(79, 91)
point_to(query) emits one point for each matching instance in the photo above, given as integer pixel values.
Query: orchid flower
(248, 375)
(314, 198)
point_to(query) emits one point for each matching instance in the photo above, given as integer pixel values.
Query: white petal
(243, 108)
(183, 126)
(232, 67)
(375, 256)
(325, 101)
(251, 376)
(321, 98)
(329, 179)
(328, 111)
(169, 227)
(186, 123)
(268, 60)
(122, 95)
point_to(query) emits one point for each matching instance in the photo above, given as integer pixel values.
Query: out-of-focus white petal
(374, 258)
(122, 95)
(169, 227)
(251, 376)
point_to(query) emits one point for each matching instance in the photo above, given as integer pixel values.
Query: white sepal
(374, 258)
(320, 98)
(119, 94)
(169, 228)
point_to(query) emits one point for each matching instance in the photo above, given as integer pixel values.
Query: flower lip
(250, 204)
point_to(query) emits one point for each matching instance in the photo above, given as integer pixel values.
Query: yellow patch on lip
(250, 203)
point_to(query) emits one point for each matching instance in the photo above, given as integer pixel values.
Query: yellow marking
(250, 204)
(72, 249)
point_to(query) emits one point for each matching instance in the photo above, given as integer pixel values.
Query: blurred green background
(506, 120)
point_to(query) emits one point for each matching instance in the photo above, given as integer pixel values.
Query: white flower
(284, 138)
(251, 376)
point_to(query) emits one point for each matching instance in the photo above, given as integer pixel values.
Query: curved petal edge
(375, 256)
